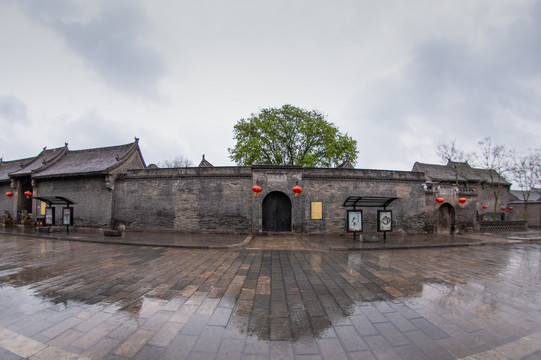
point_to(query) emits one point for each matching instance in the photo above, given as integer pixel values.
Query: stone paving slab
(107, 301)
(22, 346)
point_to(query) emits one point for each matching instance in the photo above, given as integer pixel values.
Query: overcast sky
(397, 76)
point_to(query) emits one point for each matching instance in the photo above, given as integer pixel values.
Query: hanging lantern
(462, 200)
(256, 189)
(28, 194)
(485, 207)
(503, 208)
(440, 200)
(9, 194)
(297, 190)
(510, 208)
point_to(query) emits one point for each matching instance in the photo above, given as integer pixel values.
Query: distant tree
(451, 155)
(536, 159)
(494, 158)
(291, 136)
(523, 173)
(179, 161)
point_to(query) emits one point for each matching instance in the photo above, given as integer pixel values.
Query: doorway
(276, 212)
(446, 219)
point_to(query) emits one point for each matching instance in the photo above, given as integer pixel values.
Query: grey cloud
(110, 42)
(90, 130)
(465, 88)
(54, 10)
(13, 110)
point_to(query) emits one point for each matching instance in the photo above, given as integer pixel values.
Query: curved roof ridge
(47, 157)
(105, 147)
(91, 161)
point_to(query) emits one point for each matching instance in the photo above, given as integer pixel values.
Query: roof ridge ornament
(205, 163)
(346, 164)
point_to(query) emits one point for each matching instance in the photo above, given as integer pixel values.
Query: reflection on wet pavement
(121, 302)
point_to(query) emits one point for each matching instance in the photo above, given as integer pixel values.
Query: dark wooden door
(445, 219)
(276, 212)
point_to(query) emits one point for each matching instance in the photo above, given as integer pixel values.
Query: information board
(385, 220)
(355, 220)
(67, 216)
(49, 216)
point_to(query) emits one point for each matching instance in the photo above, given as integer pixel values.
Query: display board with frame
(67, 216)
(49, 216)
(385, 220)
(355, 221)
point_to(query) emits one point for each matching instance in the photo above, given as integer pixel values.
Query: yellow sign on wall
(42, 208)
(317, 210)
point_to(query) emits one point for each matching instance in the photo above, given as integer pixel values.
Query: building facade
(85, 177)
(112, 186)
(459, 197)
(526, 207)
(220, 199)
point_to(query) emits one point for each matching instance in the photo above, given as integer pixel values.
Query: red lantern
(256, 189)
(485, 207)
(297, 190)
(510, 208)
(462, 200)
(440, 200)
(503, 208)
(9, 194)
(28, 194)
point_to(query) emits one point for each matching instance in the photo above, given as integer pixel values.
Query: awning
(55, 200)
(368, 201)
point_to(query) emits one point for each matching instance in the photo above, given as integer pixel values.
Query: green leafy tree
(291, 136)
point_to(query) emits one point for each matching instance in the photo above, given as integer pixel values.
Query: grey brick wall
(221, 200)
(93, 200)
(191, 200)
(333, 187)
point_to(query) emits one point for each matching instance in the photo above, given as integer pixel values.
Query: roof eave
(78, 174)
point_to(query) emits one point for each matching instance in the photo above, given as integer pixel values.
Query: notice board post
(385, 222)
(49, 217)
(67, 217)
(355, 222)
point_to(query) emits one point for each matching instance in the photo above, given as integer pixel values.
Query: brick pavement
(67, 300)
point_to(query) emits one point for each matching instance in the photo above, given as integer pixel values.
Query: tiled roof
(91, 161)
(40, 161)
(7, 167)
(517, 195)
(465, 172)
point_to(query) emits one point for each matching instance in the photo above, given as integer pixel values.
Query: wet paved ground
(281, 242)
(69, 300)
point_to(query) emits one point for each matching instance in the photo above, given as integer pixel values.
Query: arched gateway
(276, 212)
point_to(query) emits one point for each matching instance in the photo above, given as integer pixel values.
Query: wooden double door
(276, 212)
